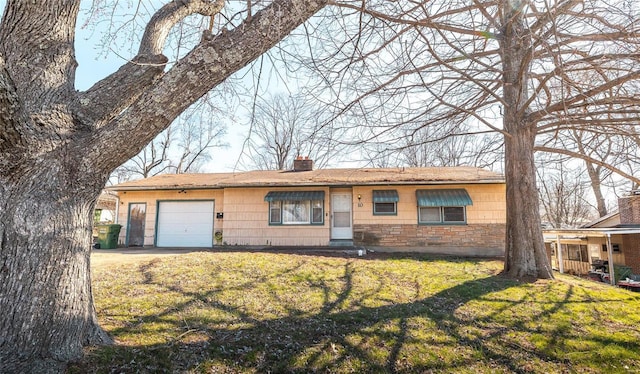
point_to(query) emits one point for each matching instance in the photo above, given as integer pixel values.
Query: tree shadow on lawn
(361, 253)
(440, 332)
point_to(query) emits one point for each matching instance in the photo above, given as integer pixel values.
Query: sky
(94, 65)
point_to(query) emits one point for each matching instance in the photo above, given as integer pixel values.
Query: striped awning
(294, 195)
(385, 196)
(442, 197)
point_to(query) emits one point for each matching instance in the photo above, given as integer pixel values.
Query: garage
(185, 224)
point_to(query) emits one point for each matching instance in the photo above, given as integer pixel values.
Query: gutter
(314, 184)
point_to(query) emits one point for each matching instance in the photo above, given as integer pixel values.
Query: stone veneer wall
(473, 239)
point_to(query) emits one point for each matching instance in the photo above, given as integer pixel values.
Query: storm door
(135, 229)
(341, 216)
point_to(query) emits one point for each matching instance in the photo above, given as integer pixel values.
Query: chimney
(629, 207)
(302, 164)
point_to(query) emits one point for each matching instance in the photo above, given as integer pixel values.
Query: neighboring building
(105, 209)
(614, 238)
(446, 210)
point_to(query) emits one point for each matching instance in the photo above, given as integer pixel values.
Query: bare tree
(184, 147)
(59, 145)
(516, 67)
(457, 146)
(284, 127)
(563, 194)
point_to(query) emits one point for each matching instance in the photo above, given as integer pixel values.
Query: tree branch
(108, 97)
(582, 96)
(588, 159)
(156, 32)
(207, 65)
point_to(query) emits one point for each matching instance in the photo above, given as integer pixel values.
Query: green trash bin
(108, 236)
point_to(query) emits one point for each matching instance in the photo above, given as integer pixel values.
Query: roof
(106, 201)
(591, 232)
(603, 221)
(321, 177)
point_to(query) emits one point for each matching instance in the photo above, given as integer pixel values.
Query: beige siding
(246, 220)
(488, 204)
(246, 213)
(151, 199)
(595, 245)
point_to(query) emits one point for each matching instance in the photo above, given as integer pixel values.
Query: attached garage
(185, 224)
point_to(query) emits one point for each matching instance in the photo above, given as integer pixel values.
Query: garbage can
(108, 236)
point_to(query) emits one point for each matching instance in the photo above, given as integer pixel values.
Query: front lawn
(242, 312)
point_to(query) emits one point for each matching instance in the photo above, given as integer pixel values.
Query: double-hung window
(385, 202)
(443, 206)
(296, 207)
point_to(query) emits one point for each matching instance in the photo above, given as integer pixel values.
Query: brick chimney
(629, 207)
(302, 164)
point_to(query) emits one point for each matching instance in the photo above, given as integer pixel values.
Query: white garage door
(185, 224)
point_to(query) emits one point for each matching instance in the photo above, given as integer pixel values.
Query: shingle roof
(321, 177)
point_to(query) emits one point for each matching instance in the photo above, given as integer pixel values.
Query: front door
(341, 216)
(135, 231)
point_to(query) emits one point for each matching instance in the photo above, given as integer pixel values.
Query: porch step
(340, 243)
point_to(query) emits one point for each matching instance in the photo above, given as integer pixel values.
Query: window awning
(385, 196)
(294, 195)
(448, 197)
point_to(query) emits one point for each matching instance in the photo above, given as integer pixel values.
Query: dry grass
(242, 312)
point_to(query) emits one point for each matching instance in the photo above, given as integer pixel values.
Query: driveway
(101, 257)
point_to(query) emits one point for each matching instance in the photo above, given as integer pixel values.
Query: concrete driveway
(126, 255)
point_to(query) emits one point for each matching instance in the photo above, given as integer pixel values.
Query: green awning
(294, 195)
(448, 197)
(385, 196)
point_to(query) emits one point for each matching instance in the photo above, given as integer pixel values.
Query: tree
(516, 67)
(184, 147)
(58, 147)
(284, 127)
(457, 146)
(563, 194)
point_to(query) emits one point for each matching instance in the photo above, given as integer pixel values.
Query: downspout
(117, 213)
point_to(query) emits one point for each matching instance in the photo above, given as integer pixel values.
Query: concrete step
(340, 243)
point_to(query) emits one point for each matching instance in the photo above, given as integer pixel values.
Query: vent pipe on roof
(302, 164)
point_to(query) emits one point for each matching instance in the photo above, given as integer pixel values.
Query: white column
(559, 254)
(612, 275)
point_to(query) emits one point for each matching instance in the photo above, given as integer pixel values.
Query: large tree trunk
(46, 302)
(596, 185)
(525, 254)
(58, 146)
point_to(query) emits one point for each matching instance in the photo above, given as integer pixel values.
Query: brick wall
(473, 239)
(629, 207)
(631, 249)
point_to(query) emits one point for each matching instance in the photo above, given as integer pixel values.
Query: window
(442, 206)
(575, 252)
(295, 212)
(296, 207)
(445, 214)
(385, 202)
(453, 214)
(317, 211)
(274, 212)
(615, 247)
(430, 214)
